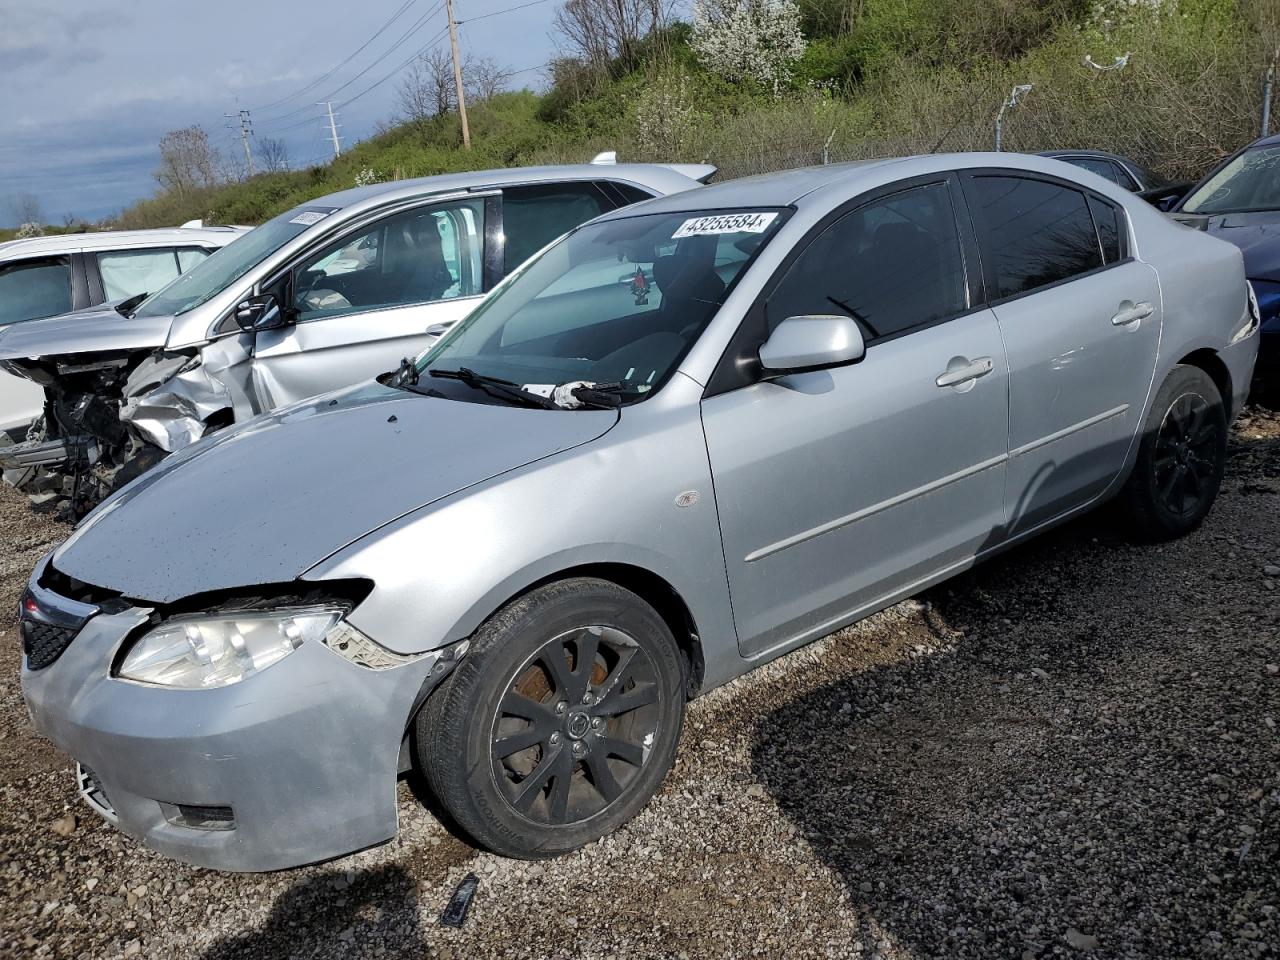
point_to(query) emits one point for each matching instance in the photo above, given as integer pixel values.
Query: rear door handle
(1132, 314)
(974, 369)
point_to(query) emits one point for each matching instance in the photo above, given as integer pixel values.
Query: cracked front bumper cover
(304, 754)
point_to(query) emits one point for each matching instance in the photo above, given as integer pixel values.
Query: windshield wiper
(857, 317)
(607, 396)
(496, 387)
(126, 307)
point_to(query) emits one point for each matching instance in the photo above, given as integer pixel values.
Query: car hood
(96, 330)
(264, 502)
(1256, 234)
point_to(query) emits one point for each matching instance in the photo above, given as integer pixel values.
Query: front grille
(91, 790)
(43, 643)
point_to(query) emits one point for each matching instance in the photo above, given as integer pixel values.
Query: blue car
(1239, 201)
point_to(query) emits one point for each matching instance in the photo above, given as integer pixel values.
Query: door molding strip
(1067, 431)
(875, 508)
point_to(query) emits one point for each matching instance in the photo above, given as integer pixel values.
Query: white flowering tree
(748, 39)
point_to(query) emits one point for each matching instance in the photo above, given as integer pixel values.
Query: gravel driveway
(1071, 750)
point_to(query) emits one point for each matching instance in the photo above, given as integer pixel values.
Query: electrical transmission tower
(333, 127)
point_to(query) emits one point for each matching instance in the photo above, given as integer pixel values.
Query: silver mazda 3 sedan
(687, 438)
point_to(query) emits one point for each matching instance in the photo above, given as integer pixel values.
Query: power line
(325, 76)
(417, 25)
(498, 13)
(417, 53)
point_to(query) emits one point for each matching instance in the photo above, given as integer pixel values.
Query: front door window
(423, 255)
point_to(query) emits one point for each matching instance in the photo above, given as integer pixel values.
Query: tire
(585, 749)
(1181, 458)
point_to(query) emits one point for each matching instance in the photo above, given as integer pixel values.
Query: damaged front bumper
(291, 766)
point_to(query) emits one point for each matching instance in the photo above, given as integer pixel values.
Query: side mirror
(260, 313)
(812, 343)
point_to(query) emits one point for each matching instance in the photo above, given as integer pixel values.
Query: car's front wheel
(1181, 459)
(559, 724)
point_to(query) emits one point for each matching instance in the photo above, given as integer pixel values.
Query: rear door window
(1034, 233)
(31, 289)
(893, 264)
(533, 216)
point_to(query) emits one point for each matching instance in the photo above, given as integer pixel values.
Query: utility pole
(457, 77)
(333, 128)
(246, 131)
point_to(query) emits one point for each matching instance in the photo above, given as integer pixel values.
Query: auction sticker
(309, 217)
(726, 223)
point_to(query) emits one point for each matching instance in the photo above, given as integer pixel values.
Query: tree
(483, 78)
(748, 39)
(25, 208)
(598, 31)
(187, 161)
(273, 154)
(428, 88)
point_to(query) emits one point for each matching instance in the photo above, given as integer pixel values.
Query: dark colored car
(1119, 170)
(1239, 201)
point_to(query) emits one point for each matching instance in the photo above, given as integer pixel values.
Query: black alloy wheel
(1182, 456)
(560, 722)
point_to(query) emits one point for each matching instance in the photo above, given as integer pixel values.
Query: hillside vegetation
(876, 78)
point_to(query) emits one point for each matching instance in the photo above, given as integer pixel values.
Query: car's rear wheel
(1181, 459)
(559, 724)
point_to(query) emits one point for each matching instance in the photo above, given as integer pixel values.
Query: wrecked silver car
(511, 565)
(326, 295)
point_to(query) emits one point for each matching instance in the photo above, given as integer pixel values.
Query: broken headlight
(214, 650)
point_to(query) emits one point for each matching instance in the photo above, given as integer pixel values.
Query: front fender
(640, 496)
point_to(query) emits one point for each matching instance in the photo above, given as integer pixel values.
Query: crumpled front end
(171, 399)
(174, 399)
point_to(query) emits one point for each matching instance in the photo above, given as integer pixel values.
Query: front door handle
(1132, 314)
(972, 370)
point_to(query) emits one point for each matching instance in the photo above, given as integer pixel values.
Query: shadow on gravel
(1079, 772)
(328, 914)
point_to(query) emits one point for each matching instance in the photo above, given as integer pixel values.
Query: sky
(90, 86)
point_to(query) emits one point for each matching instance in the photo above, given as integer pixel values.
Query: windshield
(614, 305)
(1250, 181)
(206, 280)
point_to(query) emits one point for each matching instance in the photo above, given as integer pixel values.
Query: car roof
(784, 188)
(1271, 141)
(119, 240)
(815, 186)
(1100, 154)
(663, 177)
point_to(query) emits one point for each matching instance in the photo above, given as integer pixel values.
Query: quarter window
(1036, 233)
(1107, 218)
(31, 289)
(892, 265)
(534, 216)
(418, 256)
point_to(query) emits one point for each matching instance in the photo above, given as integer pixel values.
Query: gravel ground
(1069, 750)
